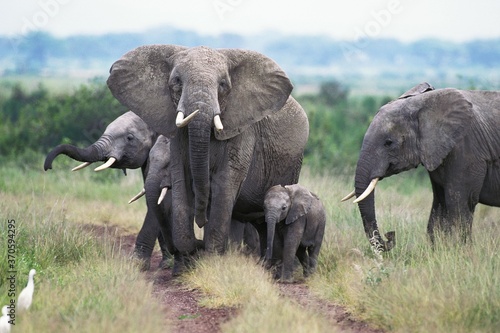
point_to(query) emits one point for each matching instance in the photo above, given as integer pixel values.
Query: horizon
(380, 19)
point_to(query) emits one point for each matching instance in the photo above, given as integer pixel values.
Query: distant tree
(332, 92)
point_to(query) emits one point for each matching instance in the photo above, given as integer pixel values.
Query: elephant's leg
(182, 202)
(313, 258)
(166, 255)
(291, 243)
(304, 259)
(225, 186)
(437, 211)
(261, 228)
(146, 239)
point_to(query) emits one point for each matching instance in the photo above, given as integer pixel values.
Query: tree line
(33, 122)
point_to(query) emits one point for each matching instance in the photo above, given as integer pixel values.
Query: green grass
(81, 278)
(83, 282)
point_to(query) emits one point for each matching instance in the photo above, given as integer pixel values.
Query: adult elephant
(125, 144)
(454, 134)
(235, 130)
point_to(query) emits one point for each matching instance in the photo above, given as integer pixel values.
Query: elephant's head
(288, 203)
(420, 127)
(172, 86)
(125, 144)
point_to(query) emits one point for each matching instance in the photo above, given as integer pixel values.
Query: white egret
(26, 295)
(4, 321)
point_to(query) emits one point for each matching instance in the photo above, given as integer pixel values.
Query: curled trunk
(92, 153)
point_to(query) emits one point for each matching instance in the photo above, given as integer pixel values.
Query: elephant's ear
(259, 88)
(444, 119)
(417, 90)
(139, 80)
(301, 199)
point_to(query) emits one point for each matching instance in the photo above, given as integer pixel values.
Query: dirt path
(185, 315)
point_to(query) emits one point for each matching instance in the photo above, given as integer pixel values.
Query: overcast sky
(455, 20)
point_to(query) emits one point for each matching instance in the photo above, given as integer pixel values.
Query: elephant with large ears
(295, 219)
(125, 144)
(235, 130)
(455, 135)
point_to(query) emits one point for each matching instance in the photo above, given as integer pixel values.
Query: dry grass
(82, 283)
(237, 280)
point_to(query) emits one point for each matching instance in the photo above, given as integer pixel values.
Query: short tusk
(218, 123)
(180, 121)
(81, 166)
(162, 195)
(349, 196)
(137, 196)
(368, 190)
(106, 165)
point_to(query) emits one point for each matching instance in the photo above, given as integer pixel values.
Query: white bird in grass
(26, 295)
(4, 321)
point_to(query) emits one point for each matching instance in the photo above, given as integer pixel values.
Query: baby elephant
(300, 218)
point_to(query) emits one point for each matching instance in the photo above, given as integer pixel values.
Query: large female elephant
(454, 134)
(235, 130)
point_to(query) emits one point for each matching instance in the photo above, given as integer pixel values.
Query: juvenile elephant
(234, 130)
(454, 134)
(295, 220)
(125, 144)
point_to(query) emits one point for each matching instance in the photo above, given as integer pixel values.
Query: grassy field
(81, 278)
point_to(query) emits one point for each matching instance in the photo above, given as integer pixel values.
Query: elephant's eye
(176, 84)
(223, 86)
(130, 137)
(283, 207)
(388, 142)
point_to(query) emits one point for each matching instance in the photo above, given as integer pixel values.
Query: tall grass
(83, 282)
(413, 288)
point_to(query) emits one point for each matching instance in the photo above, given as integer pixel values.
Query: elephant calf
(300, 218)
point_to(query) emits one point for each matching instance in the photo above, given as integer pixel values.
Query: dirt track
(185, 315)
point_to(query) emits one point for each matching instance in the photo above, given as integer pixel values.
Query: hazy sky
(455, 20)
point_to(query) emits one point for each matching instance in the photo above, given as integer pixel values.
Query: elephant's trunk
(92, 153)
(199, 151)
(367, 208)
(271, 220)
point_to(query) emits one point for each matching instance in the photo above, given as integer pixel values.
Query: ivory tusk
(137, 196)
(218, 123)
(81, 166)
(180, 121)
(349, 196)
(162, 195)
(106, 165)
(368, 190)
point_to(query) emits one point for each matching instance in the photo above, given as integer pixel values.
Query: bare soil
(184, 314)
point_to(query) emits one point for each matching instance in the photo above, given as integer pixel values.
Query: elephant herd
(220, 142)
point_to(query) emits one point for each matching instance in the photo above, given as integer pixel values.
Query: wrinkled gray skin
(261, 144)
(295, 220)
(128, 139)
(455, 135)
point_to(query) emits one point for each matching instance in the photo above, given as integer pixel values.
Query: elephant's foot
(144, 264)
(286, 280)
(166, 262)
(143, 261)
